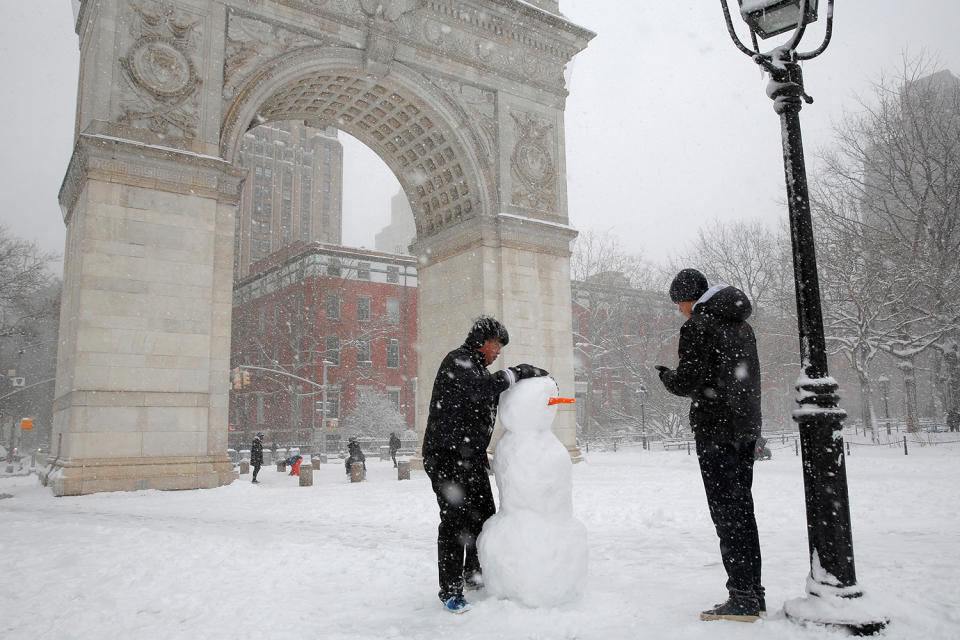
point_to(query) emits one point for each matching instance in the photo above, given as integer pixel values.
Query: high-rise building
(397, 236)
(294, 191)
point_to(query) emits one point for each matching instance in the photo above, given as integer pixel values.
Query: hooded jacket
(463, 406)
(719, 369)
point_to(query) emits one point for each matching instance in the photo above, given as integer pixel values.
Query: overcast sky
(667, 125)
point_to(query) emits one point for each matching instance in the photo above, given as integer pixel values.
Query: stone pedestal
(244, 467)
(356, 472)
(143, 360)
(403, 470)
(306, 475)
(384, 453)
(281, 466)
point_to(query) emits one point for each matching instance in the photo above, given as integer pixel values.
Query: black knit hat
(688, 286)
(486, 328)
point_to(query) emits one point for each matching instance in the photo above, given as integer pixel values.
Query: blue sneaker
(456, 604)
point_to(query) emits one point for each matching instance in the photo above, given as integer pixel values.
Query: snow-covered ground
(341, 560)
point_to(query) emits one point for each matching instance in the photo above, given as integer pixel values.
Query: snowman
(533, 550)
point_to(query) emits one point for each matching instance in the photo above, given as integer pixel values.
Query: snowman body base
(533, 550)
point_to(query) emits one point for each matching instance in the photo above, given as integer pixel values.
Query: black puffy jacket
(719, 369)
(463, 407)
(256, 452)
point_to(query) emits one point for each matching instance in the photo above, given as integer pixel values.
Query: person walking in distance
(256, 456)
(394, 446)
(463, 408)
(720, 372)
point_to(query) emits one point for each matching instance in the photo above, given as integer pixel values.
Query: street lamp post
(323, 412)
(830, 544)
(641, 395)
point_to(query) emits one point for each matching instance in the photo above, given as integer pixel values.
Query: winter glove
(661, 369)
(522, 371)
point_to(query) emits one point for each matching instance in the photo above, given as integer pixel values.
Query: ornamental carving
(531, 163)
(160, 73)
(384, 27)
(250, 41)
(479, 105)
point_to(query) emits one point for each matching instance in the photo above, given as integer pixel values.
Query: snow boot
(456, 604)
(473, 581)
(739, 608)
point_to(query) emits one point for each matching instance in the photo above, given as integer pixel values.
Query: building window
(363, 308)
(393, 275)
(393, 395)
(393, 310)
(333, 306)
(393, 353)
(363, 351)
(332, 354)
(363, 270)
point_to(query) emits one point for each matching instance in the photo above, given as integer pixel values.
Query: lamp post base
(845, 608)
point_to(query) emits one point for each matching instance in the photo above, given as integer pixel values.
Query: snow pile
(533, 550)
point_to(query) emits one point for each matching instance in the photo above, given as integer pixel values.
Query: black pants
(393, 454)
(727, 470)
(256, 470)
(466, 501)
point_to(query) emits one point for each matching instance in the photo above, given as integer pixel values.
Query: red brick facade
(357, 308)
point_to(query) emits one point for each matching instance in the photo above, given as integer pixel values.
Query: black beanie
(688, 286)
(485, 328)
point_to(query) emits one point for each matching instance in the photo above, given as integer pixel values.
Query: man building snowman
(463, 408)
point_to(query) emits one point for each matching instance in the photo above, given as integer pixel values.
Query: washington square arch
(462, 99)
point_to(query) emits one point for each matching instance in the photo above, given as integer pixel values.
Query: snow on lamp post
(833, 595)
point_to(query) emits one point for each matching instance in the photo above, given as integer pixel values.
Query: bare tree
(891, 189)
(623, 326)
(24, 275)
(374, 416)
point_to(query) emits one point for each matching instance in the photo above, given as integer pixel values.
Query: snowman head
(530, 405)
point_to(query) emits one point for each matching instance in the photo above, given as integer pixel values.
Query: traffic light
(236, 379)
(246, 377)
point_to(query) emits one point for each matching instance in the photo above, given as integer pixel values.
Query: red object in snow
(295, 470)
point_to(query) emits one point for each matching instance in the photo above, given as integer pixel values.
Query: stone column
(143, 362)
(515, 269)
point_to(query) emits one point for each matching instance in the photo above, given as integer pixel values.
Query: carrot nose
(553, 401)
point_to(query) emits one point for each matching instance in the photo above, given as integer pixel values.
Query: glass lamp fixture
(768, 18)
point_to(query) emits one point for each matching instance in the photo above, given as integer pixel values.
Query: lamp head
(768, 18)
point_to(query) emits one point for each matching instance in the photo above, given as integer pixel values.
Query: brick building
(308, 302)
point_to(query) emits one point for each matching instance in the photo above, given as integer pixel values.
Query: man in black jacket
(463, 408)
(720, 372)
(256, 456)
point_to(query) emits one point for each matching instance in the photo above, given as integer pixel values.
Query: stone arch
(464, 101)
(424, 137)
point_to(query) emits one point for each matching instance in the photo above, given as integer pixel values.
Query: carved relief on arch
(250, 41)
(159, 70)
(478, 107)
(532, 164)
